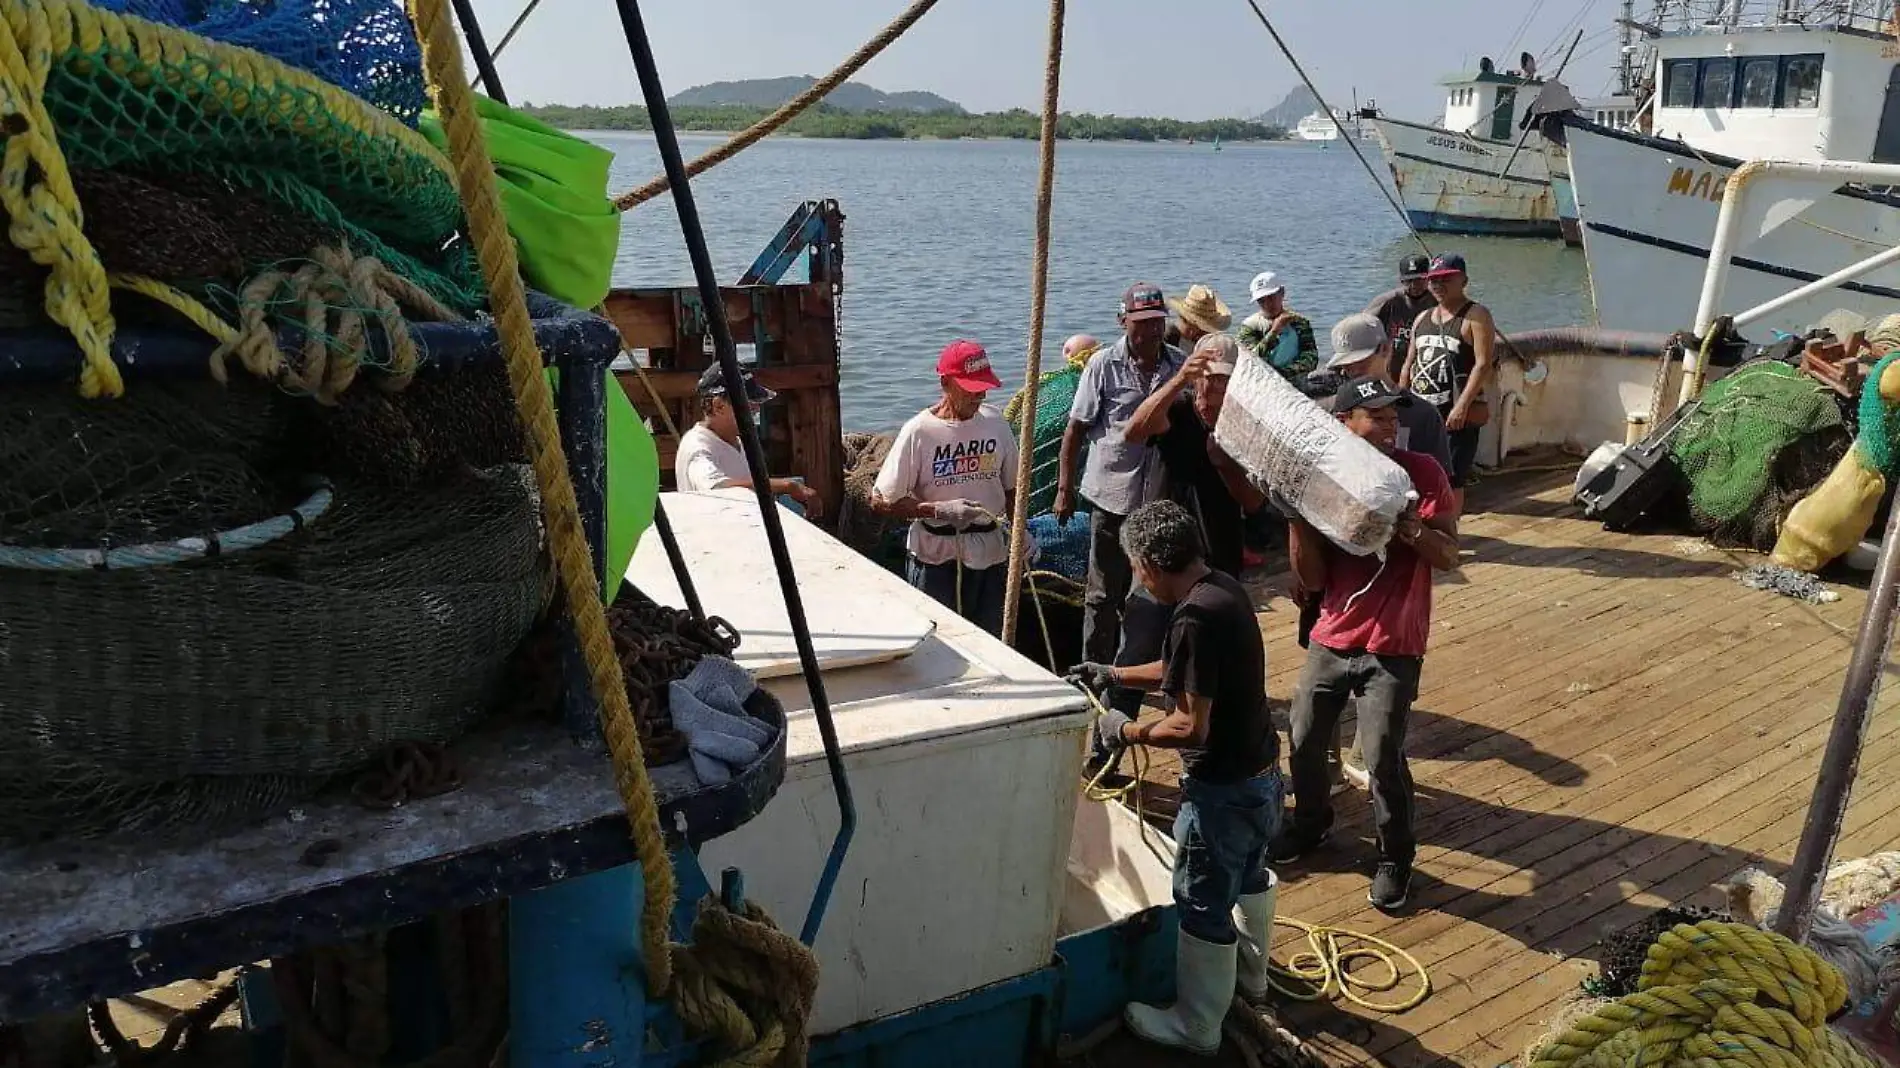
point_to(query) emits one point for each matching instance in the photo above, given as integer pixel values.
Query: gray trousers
(1385, 687)
(1109, 577)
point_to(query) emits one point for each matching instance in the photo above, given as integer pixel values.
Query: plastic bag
(1290, 446)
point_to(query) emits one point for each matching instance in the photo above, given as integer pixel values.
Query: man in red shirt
(1369, 643)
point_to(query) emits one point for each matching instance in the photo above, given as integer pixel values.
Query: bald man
(1079, 345)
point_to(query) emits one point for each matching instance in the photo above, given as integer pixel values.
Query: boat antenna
(1343, 135)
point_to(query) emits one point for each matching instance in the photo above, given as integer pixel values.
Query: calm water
(939, 234)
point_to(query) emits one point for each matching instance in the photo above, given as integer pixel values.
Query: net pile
(182, 168)
(878, 537)
(1053, 397)
(211, 692)
(1761, 438)
(364, 47)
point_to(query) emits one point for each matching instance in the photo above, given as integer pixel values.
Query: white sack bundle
(1347, 489)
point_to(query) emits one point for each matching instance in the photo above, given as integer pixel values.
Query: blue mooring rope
(129, 557)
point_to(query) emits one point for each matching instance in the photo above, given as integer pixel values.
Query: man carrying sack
(1213, 670)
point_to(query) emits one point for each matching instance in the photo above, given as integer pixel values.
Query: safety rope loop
(747, 986)
(488, 229)
(788, 111)
(45, 219)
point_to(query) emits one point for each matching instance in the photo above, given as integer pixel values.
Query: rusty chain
(408, 771)
(181, 1032)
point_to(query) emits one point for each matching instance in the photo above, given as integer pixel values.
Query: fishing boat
(1739, 81)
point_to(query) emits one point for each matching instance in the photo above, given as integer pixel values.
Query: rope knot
(746, 985)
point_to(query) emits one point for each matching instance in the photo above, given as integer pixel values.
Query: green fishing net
(1738, 447)
(1054, 393)
(129, 95)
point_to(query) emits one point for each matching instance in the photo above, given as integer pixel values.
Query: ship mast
(1626, 51)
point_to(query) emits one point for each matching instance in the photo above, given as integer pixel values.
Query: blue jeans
(982, 589)
(1221, 834)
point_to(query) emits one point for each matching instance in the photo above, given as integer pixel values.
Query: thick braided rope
(45, 220)
(1038, 296)
(788, 111)
(475, 177)
(1717, 995)
(747, 985)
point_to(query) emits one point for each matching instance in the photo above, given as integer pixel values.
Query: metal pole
(1845, 274)
(676, 176)
(1841, 762)
(478, 48)
(1525, 135)
(681, 574)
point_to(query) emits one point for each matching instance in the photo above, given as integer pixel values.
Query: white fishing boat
(1617, 112)
(1736, 85)
(1467, 174)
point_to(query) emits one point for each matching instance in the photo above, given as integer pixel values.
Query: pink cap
(966, 364)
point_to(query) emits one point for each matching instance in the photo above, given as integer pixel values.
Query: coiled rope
(1717, 995)
(788, 111)
(488, 228)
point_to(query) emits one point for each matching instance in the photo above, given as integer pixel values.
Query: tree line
(825, 121)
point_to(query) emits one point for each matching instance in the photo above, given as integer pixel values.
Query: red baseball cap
(966, 364)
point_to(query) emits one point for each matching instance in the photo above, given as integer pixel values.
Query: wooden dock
(1607, 724)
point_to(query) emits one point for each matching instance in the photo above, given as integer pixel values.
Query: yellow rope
(1717, 995)
(45, 219)
(475, 177)
(788, 111)
(1324, 969)
(1038, 302)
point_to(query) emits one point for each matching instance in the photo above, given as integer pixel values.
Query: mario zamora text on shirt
(964, 460)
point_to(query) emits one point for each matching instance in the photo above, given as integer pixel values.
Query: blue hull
(1433, 222)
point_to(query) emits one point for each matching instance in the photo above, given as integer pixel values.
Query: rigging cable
(1343, 134)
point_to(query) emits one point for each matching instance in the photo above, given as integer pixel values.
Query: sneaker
(1293, 843)
(1391, 886)
(1353, 768)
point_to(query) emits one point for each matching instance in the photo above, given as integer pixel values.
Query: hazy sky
(1208, 59)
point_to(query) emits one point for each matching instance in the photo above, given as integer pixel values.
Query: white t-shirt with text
(707, 462)
(936, 459)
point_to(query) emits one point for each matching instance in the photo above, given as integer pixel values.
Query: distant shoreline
(823, 122)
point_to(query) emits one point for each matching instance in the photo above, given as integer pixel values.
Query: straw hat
(1202, 308)
(1884, 336)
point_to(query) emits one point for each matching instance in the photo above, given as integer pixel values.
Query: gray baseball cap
(1355, 338)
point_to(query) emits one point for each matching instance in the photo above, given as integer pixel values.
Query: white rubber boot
(1256, 938)
(1204, 988)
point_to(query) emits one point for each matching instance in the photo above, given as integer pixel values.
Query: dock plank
(1607, 723)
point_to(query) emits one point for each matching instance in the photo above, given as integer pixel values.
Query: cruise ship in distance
(1318, 127)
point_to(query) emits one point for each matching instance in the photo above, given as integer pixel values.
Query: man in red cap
(951, 471)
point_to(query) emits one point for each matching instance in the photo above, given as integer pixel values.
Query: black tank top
(1445, 359)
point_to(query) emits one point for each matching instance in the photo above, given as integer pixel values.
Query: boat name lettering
(1696, 182)
(1454, 143)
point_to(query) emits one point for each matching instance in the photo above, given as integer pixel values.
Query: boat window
(1718, 84)
(1801, 81)
(1679, 77)
(1758, 81)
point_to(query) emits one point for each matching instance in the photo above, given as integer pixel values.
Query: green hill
(768, 93)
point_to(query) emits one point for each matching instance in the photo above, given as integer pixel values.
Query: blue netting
(1065, 550)
(364, 47)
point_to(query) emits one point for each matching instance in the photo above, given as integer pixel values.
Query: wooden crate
(787, 333)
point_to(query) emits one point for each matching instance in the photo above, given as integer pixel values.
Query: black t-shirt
(1398, 312)
(1213, 650)
(1195, 484)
